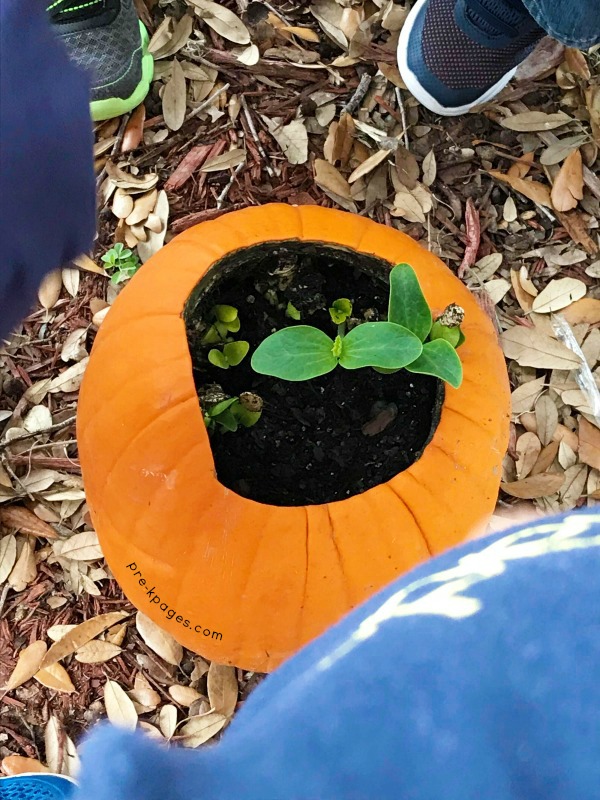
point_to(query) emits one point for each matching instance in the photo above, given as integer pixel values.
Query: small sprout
(340, 310)
(124, 261)
(439, 331)
(233, 353)
(225, 320)
(302, 352)
(292, 312)
(229, 414)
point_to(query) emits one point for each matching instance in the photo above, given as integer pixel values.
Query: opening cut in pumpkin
(321, 440)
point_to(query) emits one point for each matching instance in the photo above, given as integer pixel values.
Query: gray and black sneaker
(106, 38)
(456, 54)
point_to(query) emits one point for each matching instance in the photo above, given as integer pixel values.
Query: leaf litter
(303, 104)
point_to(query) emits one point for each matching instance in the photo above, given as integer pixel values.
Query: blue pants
(575, 23)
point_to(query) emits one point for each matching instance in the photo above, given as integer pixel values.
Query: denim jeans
(575, 23)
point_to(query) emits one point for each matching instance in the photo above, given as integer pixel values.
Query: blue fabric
(47, 198)
(575, 23)
(475, 677)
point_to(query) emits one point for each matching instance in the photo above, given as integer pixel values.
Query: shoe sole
(116, 106)
(419, 92)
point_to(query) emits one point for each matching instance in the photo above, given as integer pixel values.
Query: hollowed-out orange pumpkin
(238, 581)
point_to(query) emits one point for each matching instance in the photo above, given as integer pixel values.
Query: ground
(256, 102)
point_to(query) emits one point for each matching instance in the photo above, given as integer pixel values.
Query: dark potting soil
(327, 438)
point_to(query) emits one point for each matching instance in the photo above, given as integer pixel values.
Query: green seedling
(229, 414)
(302, 352)
(292, 312)
(232, 354)
(123, 261)
(224, 321)
(340, 310)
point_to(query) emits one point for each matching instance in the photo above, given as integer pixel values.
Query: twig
(58, 426)
(359, 93)
(254, 133)
(3, 597)
(277, 13)
(403, 115)
(221, 198)
(205, 103)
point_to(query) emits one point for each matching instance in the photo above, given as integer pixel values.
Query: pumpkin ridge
(336, 547)
(305, 587)
(412, 514)
(160, 418)
(490, 434)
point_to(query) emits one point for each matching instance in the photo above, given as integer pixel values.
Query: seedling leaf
(440, 359)
(226, 313)
(298, 353)
(292, 312)
(235, 352)
(451, 335)
(379, 344)
(407, 304)
(217, 358)
(340, 310)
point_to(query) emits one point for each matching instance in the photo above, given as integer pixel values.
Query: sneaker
(37, 786)
(106, 38)
(456, 54)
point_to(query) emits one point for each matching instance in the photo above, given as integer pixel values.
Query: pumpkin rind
(268, 579)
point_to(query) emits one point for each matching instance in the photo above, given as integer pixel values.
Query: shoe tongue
(494, 19)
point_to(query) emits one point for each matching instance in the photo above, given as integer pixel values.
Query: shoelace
(61, 10)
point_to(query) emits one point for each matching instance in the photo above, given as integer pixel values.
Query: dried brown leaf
(222, 20)
(22, 520)
(524, 397)
(567, 189)
(536, 121)
(24, 571)
(329, 178)
(473, 234)
(546, 458)
(232, 158)
(533, 190)
(119, 707)
(158, 640)
(589, 443)
(50, 288)
(546, 417)
(586, 310)
(531, 348)
(80, 635)
(144, 205)
(28, 663)
(199, 730)
(167, 720)
(174, 99)
(534, 486)
(576, 63)
(55, 677)
(222, 688)
(573, 487)
(558, 294)
(528, 450)
(8, 556)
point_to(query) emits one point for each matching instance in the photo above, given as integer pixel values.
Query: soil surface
(324, 439)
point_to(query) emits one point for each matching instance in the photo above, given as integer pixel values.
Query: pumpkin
(241, 582)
